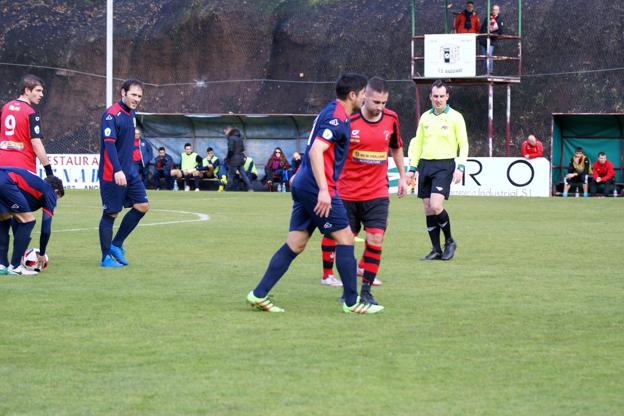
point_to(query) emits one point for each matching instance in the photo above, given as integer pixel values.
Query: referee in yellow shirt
(438, 156)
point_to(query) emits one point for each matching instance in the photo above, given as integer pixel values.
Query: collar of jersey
(446, 110)
(124, 106)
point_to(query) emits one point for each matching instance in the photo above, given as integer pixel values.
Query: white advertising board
(77, 171)
(450, 55)
(496, 176)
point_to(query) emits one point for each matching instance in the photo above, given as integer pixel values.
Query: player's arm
(109, 137)
(462, 142)
(323, 205)
(46, 232)
(414, 151)
(397, 155)
(36, 134)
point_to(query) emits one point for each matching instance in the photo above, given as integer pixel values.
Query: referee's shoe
(449, 250)
(433, 255)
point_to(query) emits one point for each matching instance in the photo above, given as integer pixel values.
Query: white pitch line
(200, 217)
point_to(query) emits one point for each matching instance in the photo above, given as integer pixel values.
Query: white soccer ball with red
(30, 259)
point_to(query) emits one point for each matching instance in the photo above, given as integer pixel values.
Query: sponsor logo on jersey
(107, 131)
(327, 134)
(37, 118)
(15, 206)
(439, 188)
(369, 157)
(14, 107)
(334, 122)
(9, 145)
(109, 117)
(37, 129)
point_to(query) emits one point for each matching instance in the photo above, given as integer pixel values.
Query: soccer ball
(29, 260)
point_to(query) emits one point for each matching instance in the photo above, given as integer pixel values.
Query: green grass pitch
(526, 320)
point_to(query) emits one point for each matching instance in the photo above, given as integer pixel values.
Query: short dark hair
(438, 83)
(602, 154)
(470, 2)
(378, 84)
(233, 132)
(161, 148)
(578, 149)
(30, 81)
(56, 184)
(349, 82)
(187, 144)
(129, 83)
(209, 149)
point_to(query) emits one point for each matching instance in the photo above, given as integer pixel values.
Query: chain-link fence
(283, 57)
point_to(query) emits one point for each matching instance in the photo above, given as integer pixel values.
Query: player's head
(161, 151)
(57, 185)
(470, 6)
(231, 131)
(132, 93)
(31, 88)
(532, 139)
(602, 158)
(439, 95)
(137, 132)
(376, 96)
(578, 151)
(350, 88)
(495, 10)
(209, 151)
(188, 148)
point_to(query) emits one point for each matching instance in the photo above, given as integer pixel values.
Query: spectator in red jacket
(532, 148)
(468, 20)
(604, 176)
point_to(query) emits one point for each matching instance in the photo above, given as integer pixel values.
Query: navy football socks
(21, 234)
(129, 223)
(5, 238)
(347, 268)
(106, 234)
(279, 264)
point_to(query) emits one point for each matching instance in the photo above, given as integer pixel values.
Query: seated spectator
(468, 20)
(189, 161)
(276, 170)
(212, 168)
(142, 156)
(578, 173)
(604, 176)
(532, 148)
(164, 165)
(249, 169)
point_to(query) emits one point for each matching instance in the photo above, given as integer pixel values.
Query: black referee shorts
(435, 176)
(372, 213)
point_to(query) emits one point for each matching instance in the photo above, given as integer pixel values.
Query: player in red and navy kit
(316, 203)
(120, 183)
(21, 193)
(20, 133)
(363, 185)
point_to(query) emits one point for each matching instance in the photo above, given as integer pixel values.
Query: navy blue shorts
(303, 217)
(11, 198)
(115, 197)
(372, 214)
(435, 176)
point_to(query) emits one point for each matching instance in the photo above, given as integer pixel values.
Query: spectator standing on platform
(496, 24)
(235, 159)
(603, 175)
(532, 147)
(468, 20)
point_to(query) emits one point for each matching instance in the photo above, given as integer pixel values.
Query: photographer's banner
(495, 176)
(450, 55)
(77, 171)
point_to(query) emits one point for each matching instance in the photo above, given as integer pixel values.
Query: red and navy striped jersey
(20, 124)
(117, 141)
(365, 174)
(332, 127)
(38, 193)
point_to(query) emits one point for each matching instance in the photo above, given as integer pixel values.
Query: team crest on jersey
(355, 136)
(37, 129)
(327, 134)
(107, 131)
(334, 122)
(387, 135)
(37, 118)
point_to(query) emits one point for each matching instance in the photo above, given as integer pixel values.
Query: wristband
(461, 168)
(48, 170)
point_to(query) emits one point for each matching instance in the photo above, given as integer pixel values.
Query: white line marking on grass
(200, 217)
